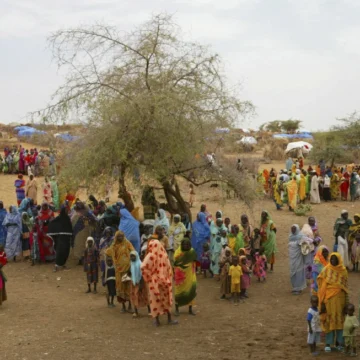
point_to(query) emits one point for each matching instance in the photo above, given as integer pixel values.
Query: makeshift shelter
(247, 140)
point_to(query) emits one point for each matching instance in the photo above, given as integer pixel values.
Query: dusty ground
(49, 316)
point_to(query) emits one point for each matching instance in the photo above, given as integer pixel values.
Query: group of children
(236, 270)
(314, 329)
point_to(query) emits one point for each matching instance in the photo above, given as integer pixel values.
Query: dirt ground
(49, 316)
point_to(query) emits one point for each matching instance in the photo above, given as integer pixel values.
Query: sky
(291, 58)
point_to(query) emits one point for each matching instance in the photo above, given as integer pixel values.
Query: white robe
(343, 250)
(314, 192)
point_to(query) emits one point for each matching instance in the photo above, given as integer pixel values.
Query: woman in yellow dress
(292, 191)
(333, 296)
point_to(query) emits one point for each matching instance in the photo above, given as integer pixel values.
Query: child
(236, 275)
(138, 291)
(349, 333)
(224, 239)
(355, 253)
(91, 264)
(260, 265)
(205, 260)
(314, 328)
(192, 195)
(225, 280)
(110, 281)
(3, 262)
(255, 243)
(245, 278)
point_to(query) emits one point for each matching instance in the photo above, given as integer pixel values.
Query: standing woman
(55, 192)
(216, 245)
(353, 186)
(162, 220)
(302, 188)
(27, 226)
(246, 230)
(268, 237)
(131, 228)
(3, 228)
(344, 187)
(61, 231)
(333, 296)
(13, 224)
(314, 192)
(334, 185)
(157, 273)
(46, 243)
(185, 276)
(177, 232)
(296, 260)
(105, 243)
(20, 189)
(47, 197)
(120, 251)
(31, 189)
(326, 189)
(200, 234)
(321, 260)
(84, 224)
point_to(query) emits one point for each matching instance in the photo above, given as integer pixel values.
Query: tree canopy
(288, 126)
(150, 101)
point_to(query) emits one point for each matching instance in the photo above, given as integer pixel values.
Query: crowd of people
(139, 263)
(296, 185)
(18, 160)
(312, 263)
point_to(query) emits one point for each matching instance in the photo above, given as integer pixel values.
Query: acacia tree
(290, 126)
(148, 100)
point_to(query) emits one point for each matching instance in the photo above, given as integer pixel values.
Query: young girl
(138, 291)
(225, 280)
(355, 253)
(260, 265)
(91, 264)
(245, 278)
(235, 273)
(110, 281)
(205, 260)
(3, 262)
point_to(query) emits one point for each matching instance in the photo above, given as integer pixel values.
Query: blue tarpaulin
(30, 132)
(293, 136)
(67, 137)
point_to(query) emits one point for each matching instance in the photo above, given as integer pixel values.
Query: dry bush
(274, 152)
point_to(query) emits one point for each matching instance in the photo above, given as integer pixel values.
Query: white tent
(247, 140)
(304, 146)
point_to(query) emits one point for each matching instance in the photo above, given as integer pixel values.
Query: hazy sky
(294, 58)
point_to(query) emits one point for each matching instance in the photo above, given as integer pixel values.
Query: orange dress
(157, 272)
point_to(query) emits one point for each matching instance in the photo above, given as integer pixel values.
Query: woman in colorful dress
(47, 192)
(268, 238)
(120, 251)
(13, 224)
(333, 293)
(105, 242)
(31, 189)
(3, 228)
(320, 261)
(176, 232)
(344, 187)
(157, 273)
(20, 189)
(200, 234)
(46, 243)
(185, 276)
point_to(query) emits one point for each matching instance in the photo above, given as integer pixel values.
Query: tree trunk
(123, 193)
(175, 202)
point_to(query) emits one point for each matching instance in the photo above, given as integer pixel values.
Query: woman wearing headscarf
(46, 243)
(268, 237)
(334, 185)
(55, 192)
(157, 273)
(105, 242)
(353, 231)
(353, 186)
(3, 228)
(185, 276)
(314, 192)
(246, 230)
(235, 240)
(302, 188)
(176, 232)
(292, 192)
(61, 231)
(308, 247)
(200, 234)
(296, 260)
(120, 251)
(162, 220)
(20, 189)
(131, 228)
(84, 224)
(47, 192)
(27, 225)
(215, 245)
(344, 187)
(13, 225)
(333, 293)
(314, 227)
(326, 188)
(320, 261)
